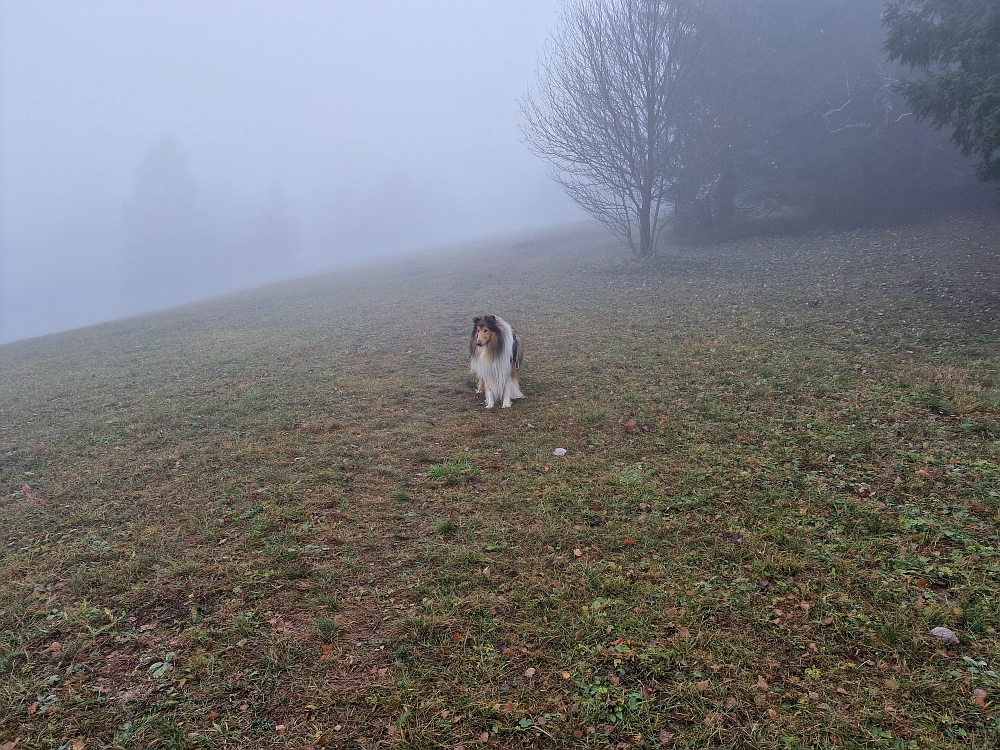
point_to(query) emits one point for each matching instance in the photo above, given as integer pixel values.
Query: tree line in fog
(713, 114)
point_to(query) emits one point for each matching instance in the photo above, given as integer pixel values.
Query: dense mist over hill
(261, 139)
(156, 153)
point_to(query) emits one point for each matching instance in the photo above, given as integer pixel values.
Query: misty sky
(370, 118)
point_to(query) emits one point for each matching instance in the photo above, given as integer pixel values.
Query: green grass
(452, 472)
(284, 518)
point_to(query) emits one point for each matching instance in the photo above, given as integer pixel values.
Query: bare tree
(608, 109)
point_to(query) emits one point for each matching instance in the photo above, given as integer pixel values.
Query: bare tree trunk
(725, 194)
(645, 230)
(611, 99)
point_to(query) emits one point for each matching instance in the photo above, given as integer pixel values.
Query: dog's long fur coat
(496, 356)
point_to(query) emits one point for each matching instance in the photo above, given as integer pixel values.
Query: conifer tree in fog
(957, 47)
(608, 107)
(168, 241)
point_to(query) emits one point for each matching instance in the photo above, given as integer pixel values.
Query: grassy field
(283, 518)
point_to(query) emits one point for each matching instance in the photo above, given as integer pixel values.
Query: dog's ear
(491, 318)
(475, 321)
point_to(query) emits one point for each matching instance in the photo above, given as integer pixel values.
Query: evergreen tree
(956, 44)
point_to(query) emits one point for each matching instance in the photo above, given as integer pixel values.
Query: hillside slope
(283, 518)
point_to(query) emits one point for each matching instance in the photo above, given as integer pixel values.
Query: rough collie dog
(496, 356)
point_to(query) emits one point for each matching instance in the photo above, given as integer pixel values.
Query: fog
(255, 140)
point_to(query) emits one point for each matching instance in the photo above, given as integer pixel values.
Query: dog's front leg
(489, 398)
(479, 388)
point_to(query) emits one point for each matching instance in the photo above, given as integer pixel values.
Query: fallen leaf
(456, 637)
(683, 632)
(10, 745)
(980, 697)
(279, 728)
(529, 672)
(484, 737)
(578, 733)
(213, 715)
(32, 708)
(762, 684)
(244, 706)
(559, 452)
(701, 686)
(79, 745)
(565, 675)
(665, 737)
(338, 727)
(577, 553)
(445, 714)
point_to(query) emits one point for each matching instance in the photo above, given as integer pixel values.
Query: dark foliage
(956, 45)
(799, 121)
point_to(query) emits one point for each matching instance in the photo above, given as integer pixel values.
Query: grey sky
(333, 102)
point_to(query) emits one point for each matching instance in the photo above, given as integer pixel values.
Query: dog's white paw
(505, 405)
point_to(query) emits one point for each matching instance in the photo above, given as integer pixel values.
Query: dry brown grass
(272, 520)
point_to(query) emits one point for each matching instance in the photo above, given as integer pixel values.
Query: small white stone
(946, 635)
(559, 452)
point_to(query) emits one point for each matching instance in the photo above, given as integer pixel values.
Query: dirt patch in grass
(273, 520)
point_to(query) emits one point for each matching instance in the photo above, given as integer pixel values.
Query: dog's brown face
(485, 332)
